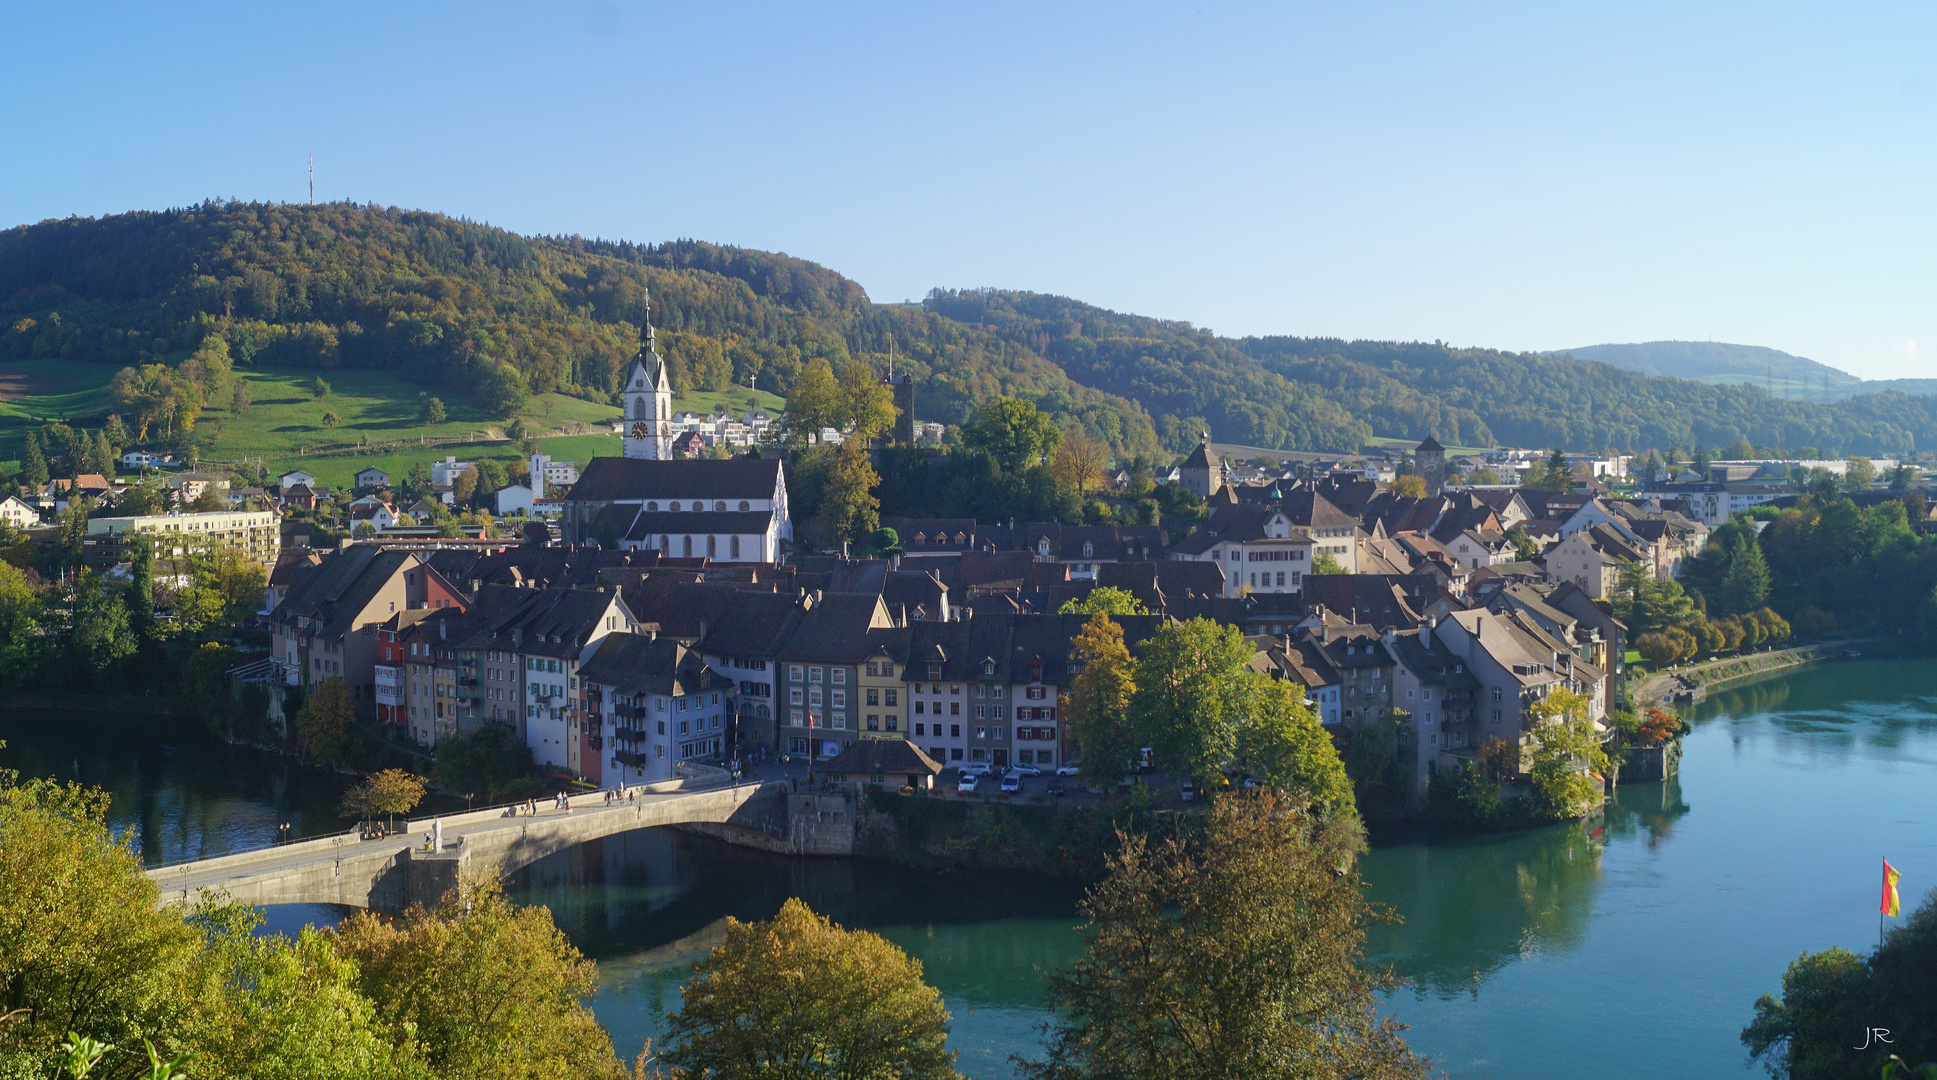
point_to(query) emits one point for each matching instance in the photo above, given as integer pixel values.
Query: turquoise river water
(1629, 946)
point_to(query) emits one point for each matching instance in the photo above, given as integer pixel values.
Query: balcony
(630, 712)
(629, 734)
(630, 758)
(467, 680)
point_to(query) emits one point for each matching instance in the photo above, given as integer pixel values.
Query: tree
(387, 794)
(116, 431)
(1105, 600)
(1096, 708)
(1286, 748)
(141, 586)
(1747, 583)
(1525, 547)
(465, 488)
(241, 399)
(430, 410)
(1805, 1034)
(799, 997)
(100, 455)
(1483, 477)
(33, 464)
(851, 508)
(1079, 460)
(101, 635)
(1567, 757)
(866, 404)
(1012, 434)
(813, 403)
(417, 480)
(21, 612)
(1560, 474)
(1190, 699)
(483, 986)
(326, 721)
(320, 388)
(1860, 474)
(1324, 562)
(491, 762)
(208, 500)
(1235, 955)
(330, 419)
(1408, 487)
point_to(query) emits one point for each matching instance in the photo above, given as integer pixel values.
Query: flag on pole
(1890, 905)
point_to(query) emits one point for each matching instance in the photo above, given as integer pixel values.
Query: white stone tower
(648, 404)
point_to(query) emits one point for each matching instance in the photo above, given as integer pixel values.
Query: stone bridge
(397, 871)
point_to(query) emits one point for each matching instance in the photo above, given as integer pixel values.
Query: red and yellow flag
(1890, 905)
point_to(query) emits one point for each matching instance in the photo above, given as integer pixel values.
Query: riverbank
(118, 704)
(1693, 682)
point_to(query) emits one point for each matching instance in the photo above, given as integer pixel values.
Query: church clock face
(641, 431)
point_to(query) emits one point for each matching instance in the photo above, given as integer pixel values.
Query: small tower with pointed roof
(648, 403)
(1429, 461)
(1203, 471)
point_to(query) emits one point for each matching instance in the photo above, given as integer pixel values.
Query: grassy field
(285, 427)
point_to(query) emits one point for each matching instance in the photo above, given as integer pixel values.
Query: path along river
(1632, 946)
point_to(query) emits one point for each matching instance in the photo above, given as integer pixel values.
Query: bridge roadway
(392, 873)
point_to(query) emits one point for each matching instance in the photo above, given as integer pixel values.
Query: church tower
(648, 404)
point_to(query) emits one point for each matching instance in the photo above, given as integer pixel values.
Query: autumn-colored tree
(1079, 460)
(1408, 487)
(813, 404)
(484, 986)
(852, 509)
(385, 794)
(1568, 760)
(1237, 954)
(1105, 600)
(1096, 708)
(798, 997)
(866, 404)
(326, 720)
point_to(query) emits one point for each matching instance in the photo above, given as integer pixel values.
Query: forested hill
(496, 315)
(1324, 393)
(499, 316)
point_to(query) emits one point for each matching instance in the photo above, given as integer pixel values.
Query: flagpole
(1881, 904)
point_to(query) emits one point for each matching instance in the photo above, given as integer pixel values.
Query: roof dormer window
(988, 667)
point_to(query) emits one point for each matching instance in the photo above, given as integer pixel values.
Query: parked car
(1011, 783)
(967, 786)
(1023, 768)
(974, 768)
(1067, 770)
(1055, 785)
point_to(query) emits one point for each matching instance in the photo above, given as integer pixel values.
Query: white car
(974, 768)
(967, 785)
(1067, 770)
(1021, 769)
(1011, 784)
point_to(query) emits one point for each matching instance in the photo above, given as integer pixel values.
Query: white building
(257, 532)
(448, 470)
(18, 514)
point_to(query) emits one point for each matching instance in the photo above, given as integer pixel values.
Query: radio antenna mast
(312, 178)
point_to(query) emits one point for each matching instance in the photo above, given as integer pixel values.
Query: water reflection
(182, 792)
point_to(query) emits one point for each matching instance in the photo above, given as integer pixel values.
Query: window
(793, 672)
(954, 708)
(874, 722)
(652, 507)
(977, 754)
(813, 674)
(894, 697)
(1496, 697)
(919, 731)
(955, 754)
(954, 730)
(995, 733)
(719, 507)
(735, 544)
(874, 696)
(745, 506)
(794, 720)
(814, 696)
(920, 707)
(839, 675)
(981, 732)
(894, 722)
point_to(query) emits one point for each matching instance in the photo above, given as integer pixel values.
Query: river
(1631, 946)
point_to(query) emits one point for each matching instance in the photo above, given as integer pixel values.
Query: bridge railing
(414, 827)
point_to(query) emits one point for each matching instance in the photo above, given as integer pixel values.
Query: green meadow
(376, 411)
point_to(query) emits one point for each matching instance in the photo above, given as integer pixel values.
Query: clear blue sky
(1540, 176)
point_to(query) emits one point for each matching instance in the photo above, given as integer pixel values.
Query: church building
(650, 499)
